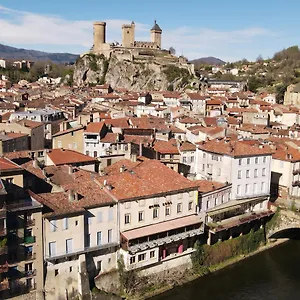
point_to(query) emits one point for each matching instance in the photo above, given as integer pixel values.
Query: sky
(230, 30)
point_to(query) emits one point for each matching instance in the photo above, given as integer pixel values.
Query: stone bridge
(287, 221)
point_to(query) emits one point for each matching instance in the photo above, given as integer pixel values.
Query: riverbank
(190, 276)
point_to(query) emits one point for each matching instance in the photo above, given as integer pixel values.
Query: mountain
(208, 61)
(8, 52)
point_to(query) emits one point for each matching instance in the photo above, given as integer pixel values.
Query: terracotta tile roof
(166, 147)
(66, 156)
(147, 179)
(148, 123)
(210, 121)
(17, 155)
(205, 186)
(110, 138)
(175, 129)
(30, 124)
(197, 96)
(37, 171)
(120, 123)
(94, 127)
(189, 120)
(6, 165)
(137, 139)
(67, 131)
(253, 129)
(232, 148)
(6, 116)
(187, 146)
(214, 102)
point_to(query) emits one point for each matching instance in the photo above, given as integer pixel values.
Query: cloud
(44, 32)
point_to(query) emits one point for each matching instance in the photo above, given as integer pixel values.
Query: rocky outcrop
(134, 74)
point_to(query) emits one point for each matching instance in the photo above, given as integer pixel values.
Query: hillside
(8, 52)
(208, 61)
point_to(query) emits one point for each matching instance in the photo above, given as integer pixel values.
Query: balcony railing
(30, 273)
(295, 172)
(29, 239)
(4, 268)
(296, 183)
(30, 256)
(30, 222)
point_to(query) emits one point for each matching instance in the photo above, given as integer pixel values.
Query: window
(99, 216)
(53, 226)
(203, 167)
(65, 223)
(52, 249)
(87, 152)
(110, 214)
(99, 238)
(204, 155)
(208, 204)
(248, 161)
(222, 199)
(216, 201)
(168, 210)
(155, 213)
(89, 220)
(179, 208)
(255, 173)
(152, 254)
(76, 223)
(132, 260)
(69, 245)
(184, 160)
(264, 159)
(70, 269)
(264, 172)
(247, 189)
(142, 257)
(74, 145)
(262, 186)
(109, 235)
(141, 216)
(192, 159)
(256, 160)
(240, 162)
(190, 207)
(255, 187)
(281, 164)
(95, 153)
(239, 174)
(219, 172)
(99, 265)
(127, 218)
(248, 174)
(59, 144)
(238, 190)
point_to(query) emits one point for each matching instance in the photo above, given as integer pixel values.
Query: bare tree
(172, 50)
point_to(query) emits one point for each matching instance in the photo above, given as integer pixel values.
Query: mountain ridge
(210, 60)
(9, 52)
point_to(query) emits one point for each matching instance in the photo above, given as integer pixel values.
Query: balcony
(30, 222)
(4, 268)
(29, 256)
(297, 171)
(29, 239)
(296, 183)
(30, 273)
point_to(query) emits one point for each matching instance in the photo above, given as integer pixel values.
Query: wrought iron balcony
(30, 256)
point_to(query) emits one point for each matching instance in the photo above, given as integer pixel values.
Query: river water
(270, 275)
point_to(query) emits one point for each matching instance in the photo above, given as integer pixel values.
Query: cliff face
(132, 74)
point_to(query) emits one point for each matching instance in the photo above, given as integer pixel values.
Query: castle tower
(155, 33)
(99, 34)
(128, 35)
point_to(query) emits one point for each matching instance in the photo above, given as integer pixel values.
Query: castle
(128, 39)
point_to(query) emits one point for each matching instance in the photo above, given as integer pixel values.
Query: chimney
(35, 163)
(70, 170)
(122, 169)
(73, 196)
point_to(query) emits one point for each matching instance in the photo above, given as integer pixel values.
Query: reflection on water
(270, 275)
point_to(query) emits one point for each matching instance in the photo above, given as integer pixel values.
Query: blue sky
(230, 30)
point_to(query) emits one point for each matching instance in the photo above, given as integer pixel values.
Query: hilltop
(8, 52)
(210, 60)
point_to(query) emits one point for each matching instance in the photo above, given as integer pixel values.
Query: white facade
(250, 175)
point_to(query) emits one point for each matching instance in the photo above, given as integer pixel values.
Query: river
(270, 275)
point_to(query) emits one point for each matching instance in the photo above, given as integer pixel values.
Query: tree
(172, 50)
